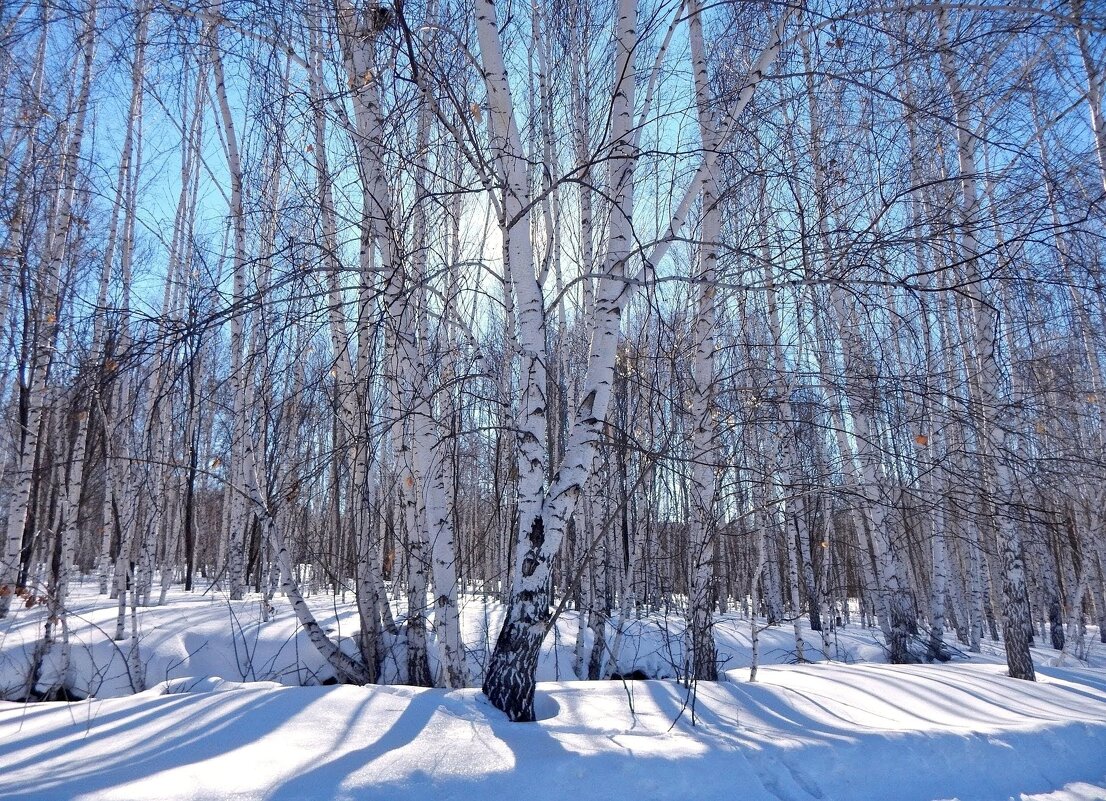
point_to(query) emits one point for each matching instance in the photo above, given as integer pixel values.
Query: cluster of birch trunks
(608, 305)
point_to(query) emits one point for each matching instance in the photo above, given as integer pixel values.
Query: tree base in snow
(509, 682)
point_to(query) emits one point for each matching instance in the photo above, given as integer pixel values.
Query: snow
(205, 634)
(816, 731)
(828, 730)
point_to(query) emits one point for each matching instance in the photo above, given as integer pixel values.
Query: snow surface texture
(817, 731)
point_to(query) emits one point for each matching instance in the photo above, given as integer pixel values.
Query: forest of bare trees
(608, 305)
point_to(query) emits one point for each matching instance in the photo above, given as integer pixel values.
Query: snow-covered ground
(220, 720)
(204, 634)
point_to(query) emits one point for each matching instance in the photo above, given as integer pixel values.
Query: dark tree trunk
(904, 629)
(1015, 614)
(509, 682)
(704, 662)
(189, 533)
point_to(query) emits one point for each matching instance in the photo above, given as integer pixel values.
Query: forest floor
(223, 718)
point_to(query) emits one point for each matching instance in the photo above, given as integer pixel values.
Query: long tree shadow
(1095, 679)
(755, 742)
(325, 779)
(486, 746)
(89, 757)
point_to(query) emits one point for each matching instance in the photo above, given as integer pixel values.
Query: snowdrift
(824, 731)
(225, 717)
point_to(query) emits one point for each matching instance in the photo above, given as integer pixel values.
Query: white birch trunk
(700, 656)
(543, 515)
(241, 439)
(1016, 617)
(45, 334)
